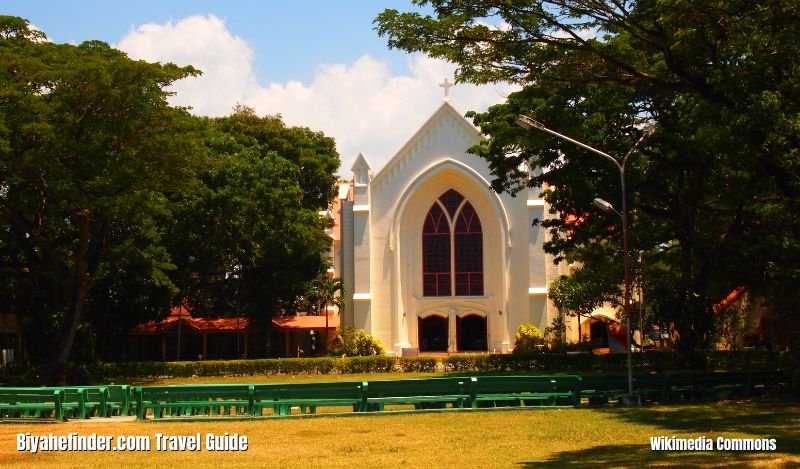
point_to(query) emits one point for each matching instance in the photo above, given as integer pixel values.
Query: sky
(319, 64)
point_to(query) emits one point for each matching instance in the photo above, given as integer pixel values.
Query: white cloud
(33, 27)
(205, 43)
(362, 104)
(583, 33)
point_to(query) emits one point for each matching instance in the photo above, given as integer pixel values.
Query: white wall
(387, 232)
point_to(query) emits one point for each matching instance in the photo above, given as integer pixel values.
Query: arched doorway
(471, 333)
(598, 332)
(433, 334)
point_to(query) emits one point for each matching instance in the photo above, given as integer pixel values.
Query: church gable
(439, 261)
(445, 134)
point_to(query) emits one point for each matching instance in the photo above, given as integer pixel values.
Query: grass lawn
(605, 437)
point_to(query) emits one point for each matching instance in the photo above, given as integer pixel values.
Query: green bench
(192, 400)
(90, 401)
(764, 380)
(515, 391)
(425, 393)
(32, 402)
(84, 402)
(119, 401)
(307, 396)
(107, 400)
(652, 387)
(600, 389)
(719, 384)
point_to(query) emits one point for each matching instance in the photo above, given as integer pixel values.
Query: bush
(357, 343)
(528, 340)
(555, 335)
(478, 363)
(374, 364)
(417, 364)
(537, 362)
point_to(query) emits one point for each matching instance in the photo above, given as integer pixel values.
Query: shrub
(555, 335)
(528, 340)
(481, 363)
(357, 343)
(417, 364)
(374, 364)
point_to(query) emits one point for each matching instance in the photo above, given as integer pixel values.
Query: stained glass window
(452, 248)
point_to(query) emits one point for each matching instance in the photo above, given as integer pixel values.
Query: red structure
(226, 338)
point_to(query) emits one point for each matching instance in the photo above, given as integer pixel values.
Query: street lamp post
(626, 301)
(180, 317)
(641, 303)
(528, 123)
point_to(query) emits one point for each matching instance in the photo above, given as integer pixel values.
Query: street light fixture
(604, 206)
(527, 123)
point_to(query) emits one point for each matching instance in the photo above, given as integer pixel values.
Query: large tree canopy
(114, 205)
(713, 195)
(250, 238)
(312, 153)
(88, 147)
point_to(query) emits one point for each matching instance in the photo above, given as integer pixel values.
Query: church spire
(362, 171)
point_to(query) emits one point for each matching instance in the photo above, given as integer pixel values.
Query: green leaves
(89, 147)
(253, 228)
(114, 204)
(719, 77)
(313, 154)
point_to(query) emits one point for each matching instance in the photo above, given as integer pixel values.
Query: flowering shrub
(357, 343)
(529, 339)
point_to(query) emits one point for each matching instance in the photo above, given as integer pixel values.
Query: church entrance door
(471, 333)
(598, 332)
(433, 334)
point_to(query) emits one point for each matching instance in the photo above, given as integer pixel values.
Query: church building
(431, 257)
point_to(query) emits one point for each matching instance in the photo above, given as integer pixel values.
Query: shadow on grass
(756, 419)
(731, 419)
(641, 456)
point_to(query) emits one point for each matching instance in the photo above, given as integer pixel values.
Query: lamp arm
(582, 145)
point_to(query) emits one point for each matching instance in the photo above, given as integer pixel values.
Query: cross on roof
(446, 85)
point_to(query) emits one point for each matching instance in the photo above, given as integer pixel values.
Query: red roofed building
(225, 338)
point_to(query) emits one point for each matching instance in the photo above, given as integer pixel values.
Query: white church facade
(431, 257)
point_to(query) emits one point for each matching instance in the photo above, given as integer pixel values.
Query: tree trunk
(325, 312)
(75, 310)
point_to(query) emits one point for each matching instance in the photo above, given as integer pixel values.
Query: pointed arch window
(452, 248)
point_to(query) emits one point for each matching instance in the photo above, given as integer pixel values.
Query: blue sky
(318, 63)
(318, 31)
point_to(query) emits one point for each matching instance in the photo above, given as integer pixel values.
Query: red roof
(728, 301)
(239, 324)
(305, 322)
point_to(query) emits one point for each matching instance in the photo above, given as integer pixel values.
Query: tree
(713, 194)
(324, 292)
(88, 148)
(313, 153)
(590, 285)
(731, 322)
(252, 231)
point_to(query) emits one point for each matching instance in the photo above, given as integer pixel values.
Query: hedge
(277, 366)
(539, 362)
